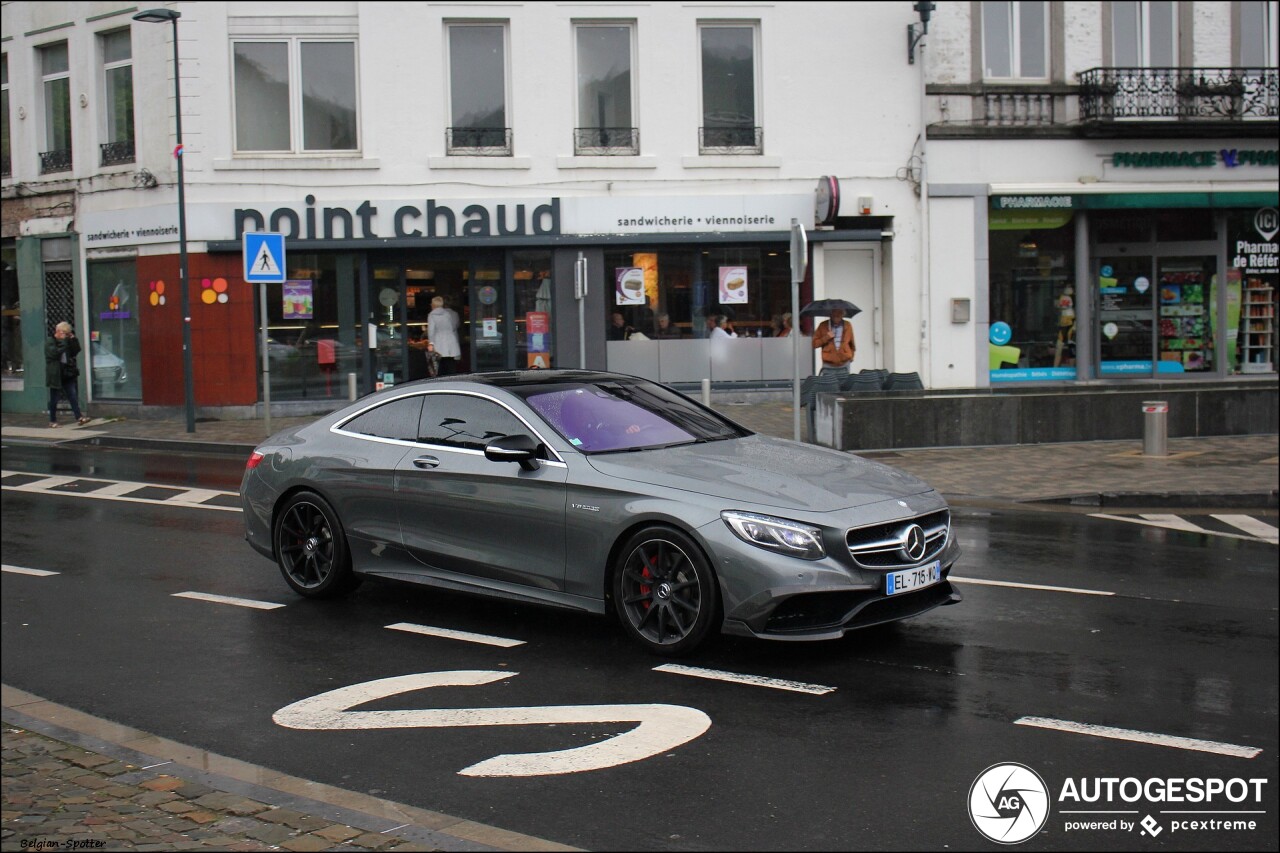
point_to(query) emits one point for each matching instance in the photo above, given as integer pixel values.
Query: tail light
(254, 459)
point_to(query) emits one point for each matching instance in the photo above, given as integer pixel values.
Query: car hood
(765, 471)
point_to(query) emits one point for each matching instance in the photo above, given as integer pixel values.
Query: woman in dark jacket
(61, 373)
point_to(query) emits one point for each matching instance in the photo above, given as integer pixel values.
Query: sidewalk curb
(1169, 500)
(123, 743)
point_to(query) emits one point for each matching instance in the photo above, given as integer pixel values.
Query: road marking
(1252, 526)
(227, 599)
(661, 727)
(753, 680)
(448, 634)
(1040, 587)
(1141, 737)
(1175, 522)
(19, 570)
(120, 490)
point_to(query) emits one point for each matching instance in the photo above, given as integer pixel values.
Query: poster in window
(733, 285)
(299, 302)
(630, 285)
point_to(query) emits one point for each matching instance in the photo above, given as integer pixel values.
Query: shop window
(115, 345)
(117, 85)
(1185, 225)
(314, 334)
(1253, 290)
(672, 294)
(478, 90)
(56, 91)
(1032, 296)
(296, 95)
(729, 90)
(1122, 226)
(605, 81)
(1015, 39)
(11, 317)
(6, 163)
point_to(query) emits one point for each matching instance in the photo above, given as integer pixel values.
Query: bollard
(1155, 428)
(706, 393)
(351, 387)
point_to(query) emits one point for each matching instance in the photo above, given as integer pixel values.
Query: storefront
(362, 277)
(1146, 285)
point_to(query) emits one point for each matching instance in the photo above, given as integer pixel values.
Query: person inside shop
(62, 374)
(419, 354)
(782, 326)
(834, 336)
(442, 333)
(664, 329)
(618, 328)
(722, 328)
(1064, 351)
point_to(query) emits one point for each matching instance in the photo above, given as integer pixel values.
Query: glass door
(488, 295)
(387, 344)
(1125, 300)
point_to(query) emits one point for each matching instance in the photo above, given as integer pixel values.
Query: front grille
(884, 546)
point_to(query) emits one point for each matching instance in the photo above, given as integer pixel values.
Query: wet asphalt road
(1185, 644)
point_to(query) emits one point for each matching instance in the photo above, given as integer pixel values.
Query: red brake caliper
(645, 573)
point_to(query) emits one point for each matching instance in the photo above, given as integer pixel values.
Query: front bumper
(773, 596)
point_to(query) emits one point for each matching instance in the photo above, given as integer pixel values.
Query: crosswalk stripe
(1175, 522)
(1251, 525)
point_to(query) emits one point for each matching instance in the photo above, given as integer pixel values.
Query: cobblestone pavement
(61, 797)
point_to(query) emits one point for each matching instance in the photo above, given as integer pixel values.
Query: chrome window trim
(337, 429)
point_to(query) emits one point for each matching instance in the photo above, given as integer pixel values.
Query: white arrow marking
(661, 727)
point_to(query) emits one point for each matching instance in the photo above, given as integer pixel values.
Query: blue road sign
(264, 258)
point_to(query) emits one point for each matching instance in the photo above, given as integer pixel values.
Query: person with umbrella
(834, 336)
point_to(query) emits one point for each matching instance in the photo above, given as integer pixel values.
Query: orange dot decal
(209, 297)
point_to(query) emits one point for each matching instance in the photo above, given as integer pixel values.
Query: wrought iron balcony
(55, 161)
(115, 153)
(478, 141)
(1185, 95)
(736, 139)
(607, 141)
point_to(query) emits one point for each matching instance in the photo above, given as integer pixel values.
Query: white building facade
(1103, 188)
(484, 153)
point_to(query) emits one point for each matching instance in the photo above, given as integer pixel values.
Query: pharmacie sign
(1231, 158)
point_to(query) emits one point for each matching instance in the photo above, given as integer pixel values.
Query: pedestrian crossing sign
(264, 258)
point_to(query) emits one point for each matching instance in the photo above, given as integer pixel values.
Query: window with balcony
(6, 165)
(478, 90)
(1015, 41)
(55, 76)
(1257, 29)
(117, 86)
(730, 90)
(605, 90)
(1144, 34)
(296, 95)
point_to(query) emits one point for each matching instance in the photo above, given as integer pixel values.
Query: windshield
(610, 416)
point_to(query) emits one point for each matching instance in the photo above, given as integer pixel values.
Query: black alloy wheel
(664, 591)
(312, 549)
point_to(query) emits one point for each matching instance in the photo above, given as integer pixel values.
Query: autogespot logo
(1008, 803)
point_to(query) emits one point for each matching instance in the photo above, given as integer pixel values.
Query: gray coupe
(603, 493)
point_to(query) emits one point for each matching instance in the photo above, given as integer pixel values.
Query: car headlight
(776, 534)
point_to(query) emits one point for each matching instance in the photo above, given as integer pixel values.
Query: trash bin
(1155, 428)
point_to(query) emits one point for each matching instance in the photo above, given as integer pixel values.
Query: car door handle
(426, 462)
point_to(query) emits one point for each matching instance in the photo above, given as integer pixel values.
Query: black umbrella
(824, 307)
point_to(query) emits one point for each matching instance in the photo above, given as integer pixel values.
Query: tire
(664, 592)
(311, 548)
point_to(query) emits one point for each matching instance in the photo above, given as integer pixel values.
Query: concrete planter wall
(883, 421)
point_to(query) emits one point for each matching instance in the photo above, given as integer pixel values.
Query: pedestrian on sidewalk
(61, 373)
(835, 338)
(442, 330)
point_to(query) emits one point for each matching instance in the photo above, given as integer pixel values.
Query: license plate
(909, 579)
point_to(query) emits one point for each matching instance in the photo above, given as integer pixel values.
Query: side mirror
(513, 448)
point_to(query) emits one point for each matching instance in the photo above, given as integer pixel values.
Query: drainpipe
(926, 367)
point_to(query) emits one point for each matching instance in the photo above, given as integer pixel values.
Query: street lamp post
(160, 16)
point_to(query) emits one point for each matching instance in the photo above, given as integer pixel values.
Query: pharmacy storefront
(1151, 282)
